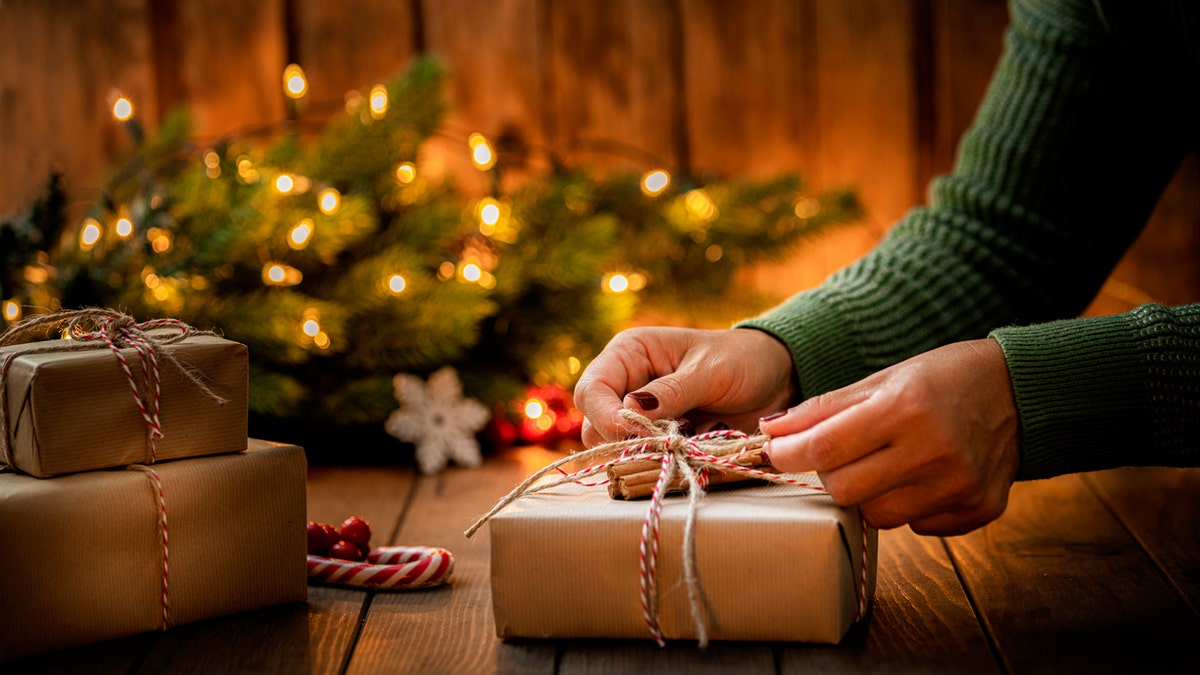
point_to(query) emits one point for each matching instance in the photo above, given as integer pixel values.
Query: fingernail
(765, 458)
(773, 416)
(720, 426)
(644, 399)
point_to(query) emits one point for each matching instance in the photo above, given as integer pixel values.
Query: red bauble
(320, 537)
(356, 531)
(346, 550)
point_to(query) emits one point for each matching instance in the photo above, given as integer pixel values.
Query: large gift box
(76, 411)
(83, 557)
(774, 563)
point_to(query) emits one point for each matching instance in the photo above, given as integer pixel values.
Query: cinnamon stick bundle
(636, 479)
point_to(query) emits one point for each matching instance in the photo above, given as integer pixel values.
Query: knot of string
(689, 457)
(96, 328)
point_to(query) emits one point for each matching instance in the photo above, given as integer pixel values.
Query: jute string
(95, 328)
(692, 457)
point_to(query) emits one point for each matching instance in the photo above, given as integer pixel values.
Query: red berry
(345, 550)
(320, 537)
(356, 531)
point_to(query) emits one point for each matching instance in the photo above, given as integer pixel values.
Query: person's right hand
(733, 376)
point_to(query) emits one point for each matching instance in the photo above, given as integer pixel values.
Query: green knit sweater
(1090, 111)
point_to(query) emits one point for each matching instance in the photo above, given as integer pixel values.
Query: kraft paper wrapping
(776, 563)
(81, 555)
(75, 411)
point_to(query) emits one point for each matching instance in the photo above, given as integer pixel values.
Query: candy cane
(388, 568)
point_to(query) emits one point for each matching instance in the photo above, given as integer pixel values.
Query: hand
(705, 376)
(931, 442)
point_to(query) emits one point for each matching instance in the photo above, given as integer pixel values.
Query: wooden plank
(496, 53)
(615, 90)
(344, 47)
(1158, 507)
(921, 620)
(625, 656)
(228, 63)
(59, 63)
(1062, 586)
(748, 87)
(451, 629)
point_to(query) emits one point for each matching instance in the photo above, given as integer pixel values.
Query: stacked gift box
(129, 505)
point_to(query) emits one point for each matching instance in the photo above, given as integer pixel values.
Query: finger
(813, 411)
(845, 437)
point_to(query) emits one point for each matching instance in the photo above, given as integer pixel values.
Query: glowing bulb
(300, 235)
(534, 408)
(396, 284)
(278, 274)
(807, 207)
(713, 253)
(284, 183)
(471, 272)
(321, 340)
(489, 215)
(481, 152)
(573, 365)
(655, 182)
(12, 310)
(378, 101)
(445, 270)
(124, 227)
(544, 422)
(698, 203)
(329, 200)
(406, 173)
(122, 109)
(295, 84)
(89, 236)
(311, 327)
(160, 239)
(618, 283)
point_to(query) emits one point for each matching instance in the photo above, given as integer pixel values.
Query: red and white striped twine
(161, 501)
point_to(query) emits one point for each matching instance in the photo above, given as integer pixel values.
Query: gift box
(74, 411)
(83, 557)
(774, 563)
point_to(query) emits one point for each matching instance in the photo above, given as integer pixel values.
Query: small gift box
(773, 562)
(98, 555)
(71, 410)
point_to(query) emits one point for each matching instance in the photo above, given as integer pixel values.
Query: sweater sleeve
(1066, 158)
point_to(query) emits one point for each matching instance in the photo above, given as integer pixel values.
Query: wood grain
(1158, 506)
(1063, 586)
(921, 620)
(450, 629)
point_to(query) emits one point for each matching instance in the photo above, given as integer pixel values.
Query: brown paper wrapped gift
(75, 411)
(775, 563)
(81, 556)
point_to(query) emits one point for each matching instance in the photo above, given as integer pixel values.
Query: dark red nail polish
(773, 416)
(766, 459)
(645, 399)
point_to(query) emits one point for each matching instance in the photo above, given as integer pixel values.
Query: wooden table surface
(1089, 573)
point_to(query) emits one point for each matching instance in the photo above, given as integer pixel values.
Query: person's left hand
(931, 442)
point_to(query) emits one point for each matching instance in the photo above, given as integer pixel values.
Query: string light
(713, 253)
(246, 171)
(89, 236)
(654, 182)
(396, 284)
(573, 365)
(284, 183)
(620, 283)
(534, 408)
(489, 215)
(124, 227)
(311, 328)
(471, 272)
(278, 274)
(617, 283)
(12, 310)
(481, 152)
(295, 84)
(212, 164)
(406, 173)
(378, 101)
(122, 109)
(160, 239)
(700, 205)
(329, 200)
(807, 207)
(300, 235)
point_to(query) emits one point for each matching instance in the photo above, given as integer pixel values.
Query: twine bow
(96, 328)
(691, 458)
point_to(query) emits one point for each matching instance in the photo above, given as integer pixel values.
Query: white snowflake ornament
(436, 418)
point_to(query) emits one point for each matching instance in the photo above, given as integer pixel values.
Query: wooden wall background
(871, 94)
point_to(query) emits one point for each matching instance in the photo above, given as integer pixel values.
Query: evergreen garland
(400, 276)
